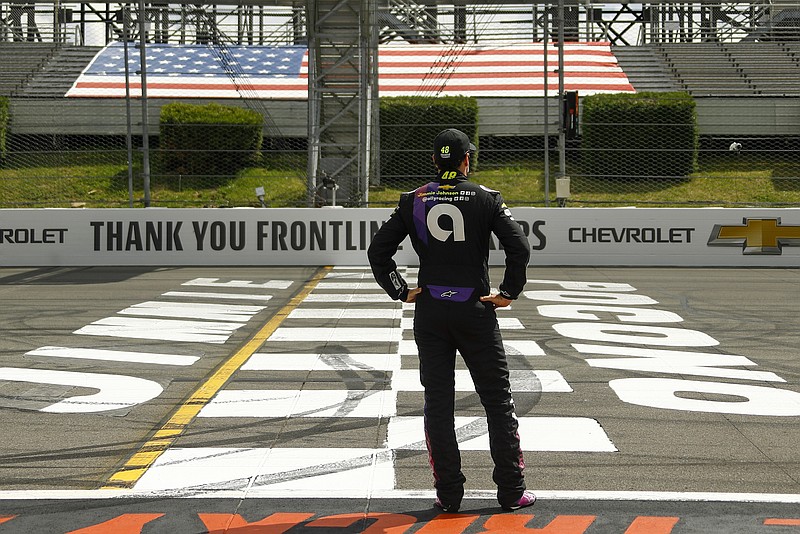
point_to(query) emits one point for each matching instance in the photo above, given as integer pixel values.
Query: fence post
(145, 127)
(562, 142)
(546, 112)
(128, 126)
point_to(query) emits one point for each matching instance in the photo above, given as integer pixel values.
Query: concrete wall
(497, 116)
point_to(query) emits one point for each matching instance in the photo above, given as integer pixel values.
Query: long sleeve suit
(449, 221)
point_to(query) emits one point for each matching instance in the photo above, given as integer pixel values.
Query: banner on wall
(279, 72)
(304, 236)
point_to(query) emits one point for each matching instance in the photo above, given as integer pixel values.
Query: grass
(519, 186)
(281, 189)
(752, 184)
(107, 186)
(81, 183)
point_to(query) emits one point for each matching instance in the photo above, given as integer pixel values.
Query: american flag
(281, 72)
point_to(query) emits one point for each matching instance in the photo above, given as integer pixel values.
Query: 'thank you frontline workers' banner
(298, 236)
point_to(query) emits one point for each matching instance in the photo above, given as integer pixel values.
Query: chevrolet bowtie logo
(756, 236)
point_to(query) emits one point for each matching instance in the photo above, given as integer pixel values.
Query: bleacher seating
(645, 68)
(58, 74)
(734, 69)
(770, 67)
(19, 61)
(704, 69)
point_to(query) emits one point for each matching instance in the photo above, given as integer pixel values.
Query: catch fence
(77, 136)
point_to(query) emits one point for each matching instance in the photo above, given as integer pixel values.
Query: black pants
(441, 327)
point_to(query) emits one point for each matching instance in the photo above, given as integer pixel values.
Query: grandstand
(43, 86)
(733, 69)
(732, 62)
(31, 71)
(701, 69)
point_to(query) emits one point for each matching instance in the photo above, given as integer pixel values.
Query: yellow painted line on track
(140, 462)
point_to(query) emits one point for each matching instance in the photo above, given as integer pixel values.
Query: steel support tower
(342, 100)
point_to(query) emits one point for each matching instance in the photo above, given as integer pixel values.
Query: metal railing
(403, 20)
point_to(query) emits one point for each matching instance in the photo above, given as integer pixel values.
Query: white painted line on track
(264, 403)
(514, 347)
(537, 434)
(510, 323)
(161, 329)
(222, 296)
(357, 471)
(505, 323)
(235, 313)
(348, 276)
(239, 284)
(350, 286)
(426, 495)
(346, 313)
(114, 355)
(521, 381)
(358, 283)
(322, 362)
(336, 334)
(347, 298)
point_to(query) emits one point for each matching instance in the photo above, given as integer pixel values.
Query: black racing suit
(450, 221)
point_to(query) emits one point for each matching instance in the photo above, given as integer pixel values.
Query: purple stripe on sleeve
(420, 212)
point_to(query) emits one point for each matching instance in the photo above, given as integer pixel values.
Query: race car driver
(449, 221)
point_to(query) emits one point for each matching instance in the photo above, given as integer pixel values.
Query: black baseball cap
(450, 147)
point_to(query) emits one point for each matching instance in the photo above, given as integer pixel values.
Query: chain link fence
(75, 133)
(94, 171)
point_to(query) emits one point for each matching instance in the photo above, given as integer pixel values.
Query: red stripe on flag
(452, 88)
(460, 52)
(195, 86)
(505, 75)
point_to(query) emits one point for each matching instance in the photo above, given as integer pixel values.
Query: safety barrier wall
(765, 237)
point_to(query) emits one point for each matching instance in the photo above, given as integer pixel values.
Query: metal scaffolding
(342, 99)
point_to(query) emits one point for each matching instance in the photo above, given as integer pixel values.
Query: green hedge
(208, 140)
(642, 134)
(4, 115)
(408, 127)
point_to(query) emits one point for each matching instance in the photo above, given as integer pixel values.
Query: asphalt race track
(218, 399)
